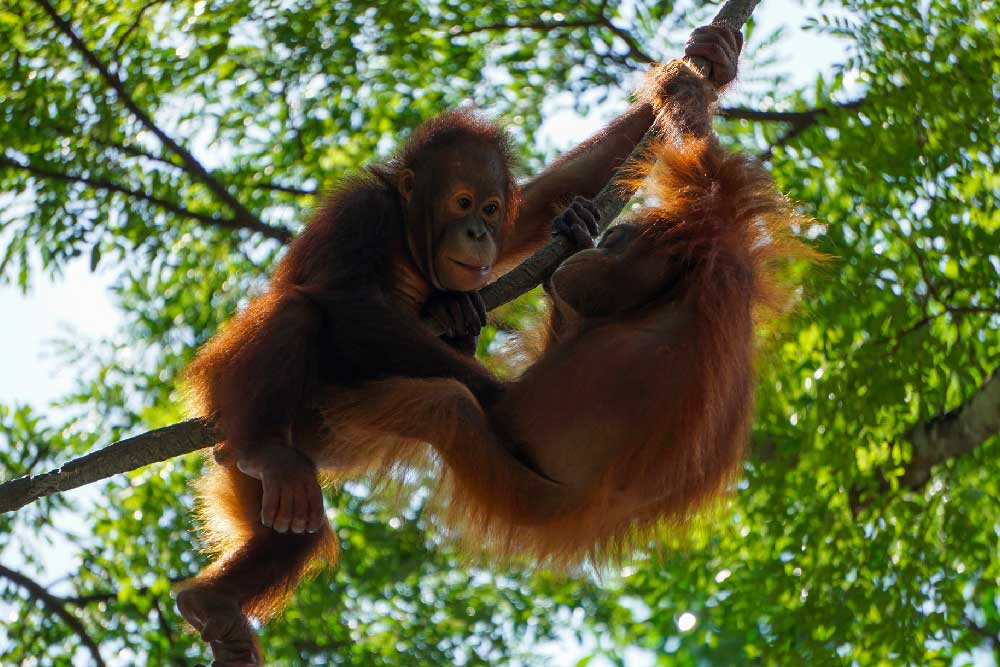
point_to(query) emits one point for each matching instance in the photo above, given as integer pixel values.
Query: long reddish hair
(718, 217)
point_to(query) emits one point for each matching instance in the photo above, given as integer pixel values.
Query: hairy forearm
(264, 369)
(585, 169)
(386, 341)
(582, 171)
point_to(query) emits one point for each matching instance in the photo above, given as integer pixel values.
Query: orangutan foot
(219, 621)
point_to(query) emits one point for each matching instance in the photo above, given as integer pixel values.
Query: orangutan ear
(405, 184)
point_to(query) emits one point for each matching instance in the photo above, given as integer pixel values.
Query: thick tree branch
(56, 607)
(193, 166)
(935, 441)
(953, 434)
(940, 439)
(279, 233)
(125, 455)
(188, 436)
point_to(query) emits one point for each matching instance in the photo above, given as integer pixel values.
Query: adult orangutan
(416, 234)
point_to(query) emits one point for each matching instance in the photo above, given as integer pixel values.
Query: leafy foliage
(819, 559)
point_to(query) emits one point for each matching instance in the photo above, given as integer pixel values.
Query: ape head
(459, 195)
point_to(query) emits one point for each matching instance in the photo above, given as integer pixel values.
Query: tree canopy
(175, 145)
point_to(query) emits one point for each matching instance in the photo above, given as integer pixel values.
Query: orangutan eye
(491, 209)
(464, 203)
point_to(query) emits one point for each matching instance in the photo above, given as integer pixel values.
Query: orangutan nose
(476, 231)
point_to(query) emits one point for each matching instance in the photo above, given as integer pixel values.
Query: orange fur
(682, 96)
(663, 409)
(228, 512)
(343, 307)
(632, 419)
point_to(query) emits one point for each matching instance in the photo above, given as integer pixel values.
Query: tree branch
(953, 434)
(120, 42)
(991, 638)
(133, 151)
(107, 596)
(800, 121)
(897, 339)
(795, 117)
(940, 439)
(194, 167)
(128, 454)
(287, 189)
(544, 26)
(136, 152)
(164, 624)
(188, 436)
(278, 233)
(55, 606)
(934, 441)
(634, 48)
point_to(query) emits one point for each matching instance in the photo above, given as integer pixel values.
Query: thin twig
(634, 49)
(288, 189)
(602, 20)
(194, 167)
(134, 25)
(897, 338)
(279, 233)
(544, 26)
(800, 122)
(55, 606)
(795, 117)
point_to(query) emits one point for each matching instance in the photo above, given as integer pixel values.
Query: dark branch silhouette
(242, 214)
(279, 233)
(57, 607)
(940, 439)
(635, 50)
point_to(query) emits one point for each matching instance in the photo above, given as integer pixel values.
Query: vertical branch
(610, 200)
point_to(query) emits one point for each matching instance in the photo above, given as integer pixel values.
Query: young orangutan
(416, 234)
